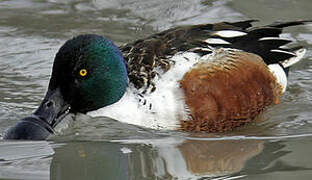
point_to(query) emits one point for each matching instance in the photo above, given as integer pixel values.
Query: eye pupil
(83, 72)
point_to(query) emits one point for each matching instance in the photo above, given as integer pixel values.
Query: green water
(278, 147)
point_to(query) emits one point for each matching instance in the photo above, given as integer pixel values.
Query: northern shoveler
(210, 77)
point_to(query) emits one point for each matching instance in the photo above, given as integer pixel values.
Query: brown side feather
(227, 92)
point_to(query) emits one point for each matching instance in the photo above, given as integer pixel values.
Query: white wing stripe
(229, 33)
(281, 51)
(216, 41)
(272, 38)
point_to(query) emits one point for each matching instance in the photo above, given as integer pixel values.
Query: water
(277, 146)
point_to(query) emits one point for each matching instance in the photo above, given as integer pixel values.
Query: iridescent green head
(90, 72)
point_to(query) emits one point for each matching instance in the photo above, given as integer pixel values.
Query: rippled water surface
(278, 146)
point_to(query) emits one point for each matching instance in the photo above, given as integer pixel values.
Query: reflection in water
(269, 160)
(89, 161)
(161, 158)
(25, 159)
(169, 158)
(194, 159)
(218, 157)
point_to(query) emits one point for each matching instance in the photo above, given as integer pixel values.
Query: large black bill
(40, 124)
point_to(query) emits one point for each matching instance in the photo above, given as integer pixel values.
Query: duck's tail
(280, 70)
(264, 41)
(296, 53)
(267, 43)
(299, 53)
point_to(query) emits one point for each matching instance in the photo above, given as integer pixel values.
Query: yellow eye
(83, 72)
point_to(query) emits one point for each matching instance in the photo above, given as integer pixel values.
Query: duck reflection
(152, 159)
(218, 157)
(192, 159)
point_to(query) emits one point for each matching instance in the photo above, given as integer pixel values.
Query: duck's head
(88, 73)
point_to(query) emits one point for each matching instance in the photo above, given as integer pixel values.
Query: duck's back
(145, 56)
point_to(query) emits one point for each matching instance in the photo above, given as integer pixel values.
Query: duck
(208, 77)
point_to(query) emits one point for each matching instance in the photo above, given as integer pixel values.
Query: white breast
(161, 109)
